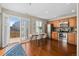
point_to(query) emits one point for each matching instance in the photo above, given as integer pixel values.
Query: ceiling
(43, 10)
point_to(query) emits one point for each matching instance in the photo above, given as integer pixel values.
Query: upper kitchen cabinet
(56, 23)
(50, 22)
(72, 22)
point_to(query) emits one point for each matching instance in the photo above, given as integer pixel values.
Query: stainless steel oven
(63, 36)
(63, 31)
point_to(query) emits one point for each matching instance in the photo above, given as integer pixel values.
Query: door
(24, 29)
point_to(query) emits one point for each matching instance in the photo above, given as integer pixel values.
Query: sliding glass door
(18, 29)
(24, 29)
(14, 24)
(14, 29)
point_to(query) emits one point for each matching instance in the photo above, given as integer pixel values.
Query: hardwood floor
(1, 52)
(49, 48)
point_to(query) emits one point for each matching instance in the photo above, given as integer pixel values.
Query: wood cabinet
(72, 22)
(56, 23)
(72, 37)
(55, 35)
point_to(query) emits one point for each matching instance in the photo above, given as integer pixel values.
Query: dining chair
(39, 40)
(44, 38)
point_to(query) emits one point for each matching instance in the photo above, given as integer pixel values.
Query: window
(38, 26)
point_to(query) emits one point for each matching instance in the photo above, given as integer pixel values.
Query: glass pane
(14, 23)
(24, 29)
(39, 26)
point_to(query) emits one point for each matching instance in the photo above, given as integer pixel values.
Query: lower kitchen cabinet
(72, 37)
(55, 35)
